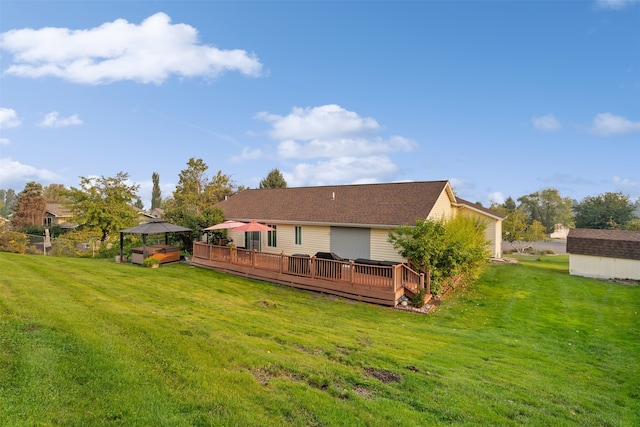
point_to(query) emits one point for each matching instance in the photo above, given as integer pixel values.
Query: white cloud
(346, 146)
(52, 120)
(496, 197)
(147, 53)
(614, 4)
(15, 175)
(627, 184)
(353, 170)
(547, 123)
(8, 118)
(4, 141)
(343, 147)
(248, 154)
(606, 124)
(326, 121)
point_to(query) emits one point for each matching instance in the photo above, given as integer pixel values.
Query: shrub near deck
(89, 342)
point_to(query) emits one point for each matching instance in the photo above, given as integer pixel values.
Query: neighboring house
(352, 221)
(559, 232)
(144, 216)
(604, 254)
(57, 214)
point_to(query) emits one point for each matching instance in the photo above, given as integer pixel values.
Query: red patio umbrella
(254, 226)
(225, 225)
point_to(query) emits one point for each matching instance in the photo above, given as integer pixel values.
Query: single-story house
(352, 221)
(604, 254)
(57, 214)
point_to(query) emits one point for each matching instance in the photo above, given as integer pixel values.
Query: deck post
(282, 258)
(428, 282)
(421, 283)
(253, 258)
(395, 277)
(352, 272)
(313, 267)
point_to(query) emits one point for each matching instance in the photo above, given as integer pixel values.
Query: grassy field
(90, 342)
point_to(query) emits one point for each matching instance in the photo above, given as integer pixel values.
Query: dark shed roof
(606, 243)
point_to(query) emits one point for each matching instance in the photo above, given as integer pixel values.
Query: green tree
(518, 231)
(634, 225)
(9, 199)
(609, 211)
(29, 210)
(549, 208)
(104, 203)
(196, 191)
(193, 199)
(274, 179)
(54, 193)
(3, 210)
(509, 205)
(156, 195)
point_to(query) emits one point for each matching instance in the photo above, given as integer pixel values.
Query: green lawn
(90, 342)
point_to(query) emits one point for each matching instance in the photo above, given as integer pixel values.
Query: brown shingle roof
(606, 243)
(365, 204)
(480, 208)
(58, 210)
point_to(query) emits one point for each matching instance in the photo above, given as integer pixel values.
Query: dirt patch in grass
(383, 375)
(363, 392)
(628, 282)
(266, 304)
(265, 375)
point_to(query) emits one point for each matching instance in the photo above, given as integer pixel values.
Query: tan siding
(603, 267)
(381, 249)
(314, 239)
(442, 208)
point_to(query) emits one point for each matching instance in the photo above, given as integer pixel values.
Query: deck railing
(346, 272)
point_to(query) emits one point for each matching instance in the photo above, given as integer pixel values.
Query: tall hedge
(447, 248)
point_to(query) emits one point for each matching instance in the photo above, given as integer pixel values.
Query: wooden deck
(375, 284)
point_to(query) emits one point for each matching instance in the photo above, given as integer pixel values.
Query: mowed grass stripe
(91, 342)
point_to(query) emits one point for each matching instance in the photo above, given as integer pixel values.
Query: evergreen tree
(274, 179)
(54, 193)
(29, 211)
(156, 195)
(193, 199)
(9, 200)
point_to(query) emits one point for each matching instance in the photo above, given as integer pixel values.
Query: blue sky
(502, 98)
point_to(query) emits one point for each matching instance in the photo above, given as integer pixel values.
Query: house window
(47, 221)
(272, 240)
(298, 232)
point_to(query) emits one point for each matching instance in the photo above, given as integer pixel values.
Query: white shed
(604, 254)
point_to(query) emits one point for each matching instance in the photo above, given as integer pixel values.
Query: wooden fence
(371, 283)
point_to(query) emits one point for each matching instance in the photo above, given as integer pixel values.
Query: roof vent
(333, 195)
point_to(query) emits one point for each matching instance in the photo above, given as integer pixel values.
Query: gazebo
(155, 226)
